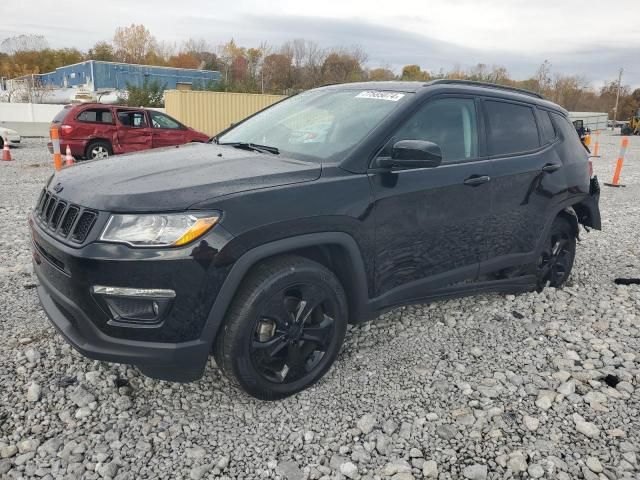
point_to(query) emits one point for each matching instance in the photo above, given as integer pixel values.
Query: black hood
(175, 178)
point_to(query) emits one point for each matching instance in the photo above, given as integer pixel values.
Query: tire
(1, 142)
(272, 344)
(554, 265)
(98, 149)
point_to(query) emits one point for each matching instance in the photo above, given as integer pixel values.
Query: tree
(102, 51)
(134, 44)
(340, 67)
(381, 74)
(20, 43)
(150, 94)
(184, 60)
(414, 73)
(277, 72)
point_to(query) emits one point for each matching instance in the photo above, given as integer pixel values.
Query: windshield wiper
(253, 147)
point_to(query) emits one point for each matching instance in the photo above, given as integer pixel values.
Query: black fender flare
(564, 208)
(359, 292)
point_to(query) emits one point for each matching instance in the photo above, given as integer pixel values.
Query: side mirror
(412, 154)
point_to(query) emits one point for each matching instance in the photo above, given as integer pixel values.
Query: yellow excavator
(633, 127)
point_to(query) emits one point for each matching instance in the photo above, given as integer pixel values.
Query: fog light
(134, 305)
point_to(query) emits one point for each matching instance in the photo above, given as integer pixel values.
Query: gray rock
(5, 466)
(108, 470)
(34, 392)
(430, 469)
(535, 470)
(8, 451)
(594, 465)
(349, 470)
(81, 397)
(475, 472)
(289, 471)
(517, 462)
(366, 423)
(196, 473)
(29, 445)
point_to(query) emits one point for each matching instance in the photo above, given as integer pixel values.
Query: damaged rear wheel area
(556, 259)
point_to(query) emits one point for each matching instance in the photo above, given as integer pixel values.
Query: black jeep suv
(326, 208)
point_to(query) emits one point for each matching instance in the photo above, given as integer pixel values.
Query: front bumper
(176, 349)
(182, 362)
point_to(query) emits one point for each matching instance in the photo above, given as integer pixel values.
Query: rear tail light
(590, 168)
(66, 130)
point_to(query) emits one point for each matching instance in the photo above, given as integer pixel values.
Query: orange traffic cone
(69, 157)
(6, 153)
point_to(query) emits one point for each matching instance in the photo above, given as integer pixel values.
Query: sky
(581, 37)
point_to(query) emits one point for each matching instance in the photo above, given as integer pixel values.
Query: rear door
(94, 122)
(527, 176)
(165, 130)
(134, 133)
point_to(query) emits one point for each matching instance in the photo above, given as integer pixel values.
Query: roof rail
(484, 84)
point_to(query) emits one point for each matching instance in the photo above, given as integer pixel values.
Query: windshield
(320, 124)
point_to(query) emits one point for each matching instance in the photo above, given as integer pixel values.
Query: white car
(12, 137)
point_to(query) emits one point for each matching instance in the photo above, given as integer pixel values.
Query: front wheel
(557, 256)
(284, 328)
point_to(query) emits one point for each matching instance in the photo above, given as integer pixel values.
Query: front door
(134, 133)
(166, 131)
(430, 222)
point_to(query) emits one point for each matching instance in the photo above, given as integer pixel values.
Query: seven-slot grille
(63, 219)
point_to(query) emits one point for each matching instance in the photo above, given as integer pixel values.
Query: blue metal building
(98, 76)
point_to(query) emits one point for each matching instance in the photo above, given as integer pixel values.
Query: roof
(492, 89)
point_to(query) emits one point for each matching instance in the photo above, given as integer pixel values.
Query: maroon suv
(95, 130)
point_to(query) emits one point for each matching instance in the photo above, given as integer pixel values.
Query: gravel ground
(531, 386)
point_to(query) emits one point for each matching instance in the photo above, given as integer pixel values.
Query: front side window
(132, 119)
(96, 115)
(324, 124)
(451, 123)
(512, 128)
(160, 120)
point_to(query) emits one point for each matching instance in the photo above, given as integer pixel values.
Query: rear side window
(96, 115)
(512, 128)
(546, 127)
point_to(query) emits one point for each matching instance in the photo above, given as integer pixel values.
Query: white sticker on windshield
(390, 96)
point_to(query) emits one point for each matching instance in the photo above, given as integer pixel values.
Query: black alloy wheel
(284, 328)
(556, 259)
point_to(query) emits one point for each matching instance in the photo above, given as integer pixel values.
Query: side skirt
(523, 284)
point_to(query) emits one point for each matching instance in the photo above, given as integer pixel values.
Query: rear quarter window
(512, 128)
(567, 130)
(60, 115)
(546, 127)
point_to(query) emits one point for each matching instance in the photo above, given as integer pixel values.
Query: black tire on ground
(556, 260)
(284, 328)
(98, 149)
(1, 142)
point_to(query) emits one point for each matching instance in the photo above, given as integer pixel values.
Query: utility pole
(615, 109)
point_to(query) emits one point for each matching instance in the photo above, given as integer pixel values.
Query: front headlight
(161, 230)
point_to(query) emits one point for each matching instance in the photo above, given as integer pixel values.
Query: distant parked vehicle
(13, 138)
(95, 130)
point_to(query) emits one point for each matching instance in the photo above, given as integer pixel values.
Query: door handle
(551, 167)
(477, 180)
